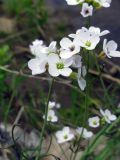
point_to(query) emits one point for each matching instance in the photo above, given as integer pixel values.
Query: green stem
(8, 108)
(45, 120)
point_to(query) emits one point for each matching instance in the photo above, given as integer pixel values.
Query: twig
(18, 115)
(111, 64)
(106, 76)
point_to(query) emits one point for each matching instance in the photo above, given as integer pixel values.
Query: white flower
(37, 66)
(97, 31)
(58, 105)
(64, 135)
(91, 30)
(85, 133)
(74, 2)
(81, 74)
(68, 48)
(77, 63)
(104, 3)
(37, 47)
(51, 105)
(59, 66)
(41, 52)
(110, 48)
(86, 39)
(87, 10)
(108, 116)
(94, 122)
(51, 117)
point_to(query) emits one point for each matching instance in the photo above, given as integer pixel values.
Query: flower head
(41, 52)
(110, 48)
(86, 40)
(108, 116)
(94, 122)
(68, 48)
(51, 117)
(85, 133)
(87, 10)
(51, 105)
(37, 48)
(64, 135)
(59, 66)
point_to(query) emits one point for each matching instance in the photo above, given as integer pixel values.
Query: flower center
(86, 11)
(106, 117)
(88, 43)
(94, 122)
(72, 48)
(60, 65)
(50, 118)
(65, 136)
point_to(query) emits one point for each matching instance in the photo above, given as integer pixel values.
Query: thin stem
(45, 120)
(86, 107)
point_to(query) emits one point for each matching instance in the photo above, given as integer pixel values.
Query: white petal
(37, 66)
(112, 45)
(65, 72)
(77, 61)
(73, 2)
(103, 33)
(53, 71)
(52, 46)
(53, 58)
(65, 43)
(113, 117)
(66, 54)
(114, 53)
(82, 83)
(72, 35)
(66, 129)
(67, 62)
(102, 112)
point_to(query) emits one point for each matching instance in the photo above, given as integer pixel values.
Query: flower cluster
(60, 60)
(89, 5)
(66, 134)
(51, 115)
(107, 116)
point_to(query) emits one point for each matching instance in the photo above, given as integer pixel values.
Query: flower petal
(65, 43)
(53, 58)
(37, 66)
(65, 72)
(115, 53)
(53, 71)
(81, 83)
